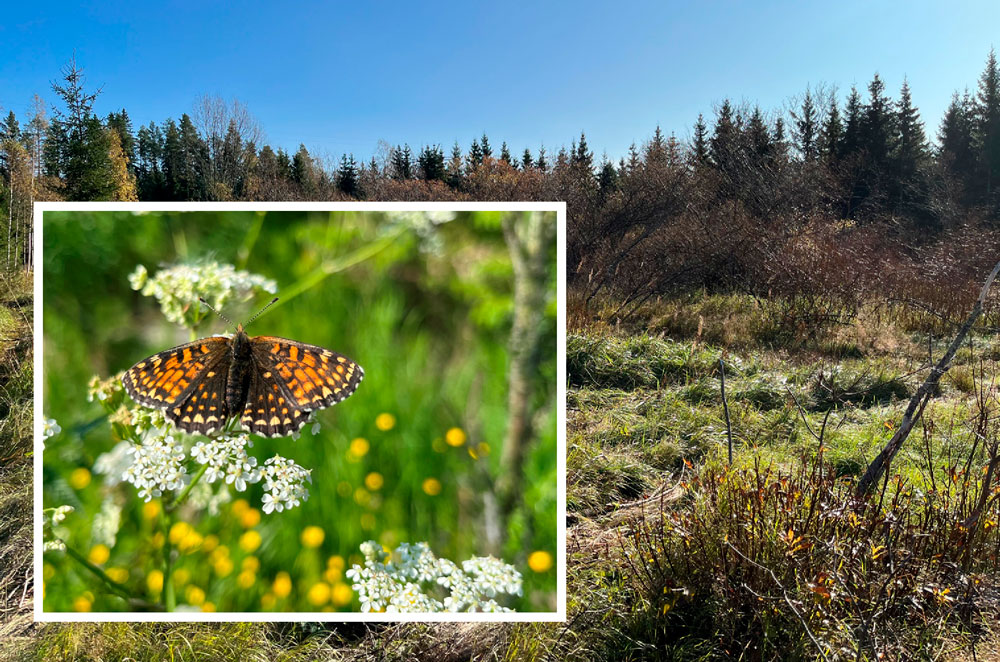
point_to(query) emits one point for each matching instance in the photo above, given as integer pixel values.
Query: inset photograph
(297, 413)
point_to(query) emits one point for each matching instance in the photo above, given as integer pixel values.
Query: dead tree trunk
(923, 395)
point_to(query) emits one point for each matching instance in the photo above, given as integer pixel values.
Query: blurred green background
(412, 456)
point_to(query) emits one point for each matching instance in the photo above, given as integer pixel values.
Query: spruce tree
(540, 162)
(304, 173)
(526, 160)
(485, 147)
(505, 154)
(607, 179)
(699, 146)
(832, 133)
(455, 176)
(475, 155)
(805, 128)
(987, 132)
(80, 151)
(957, 154)
(402, 163)
(851, 141)
(121, 123)
(430, 162)
(582, 157)
(347, 176)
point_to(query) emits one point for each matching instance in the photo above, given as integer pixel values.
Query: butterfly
(271, 384)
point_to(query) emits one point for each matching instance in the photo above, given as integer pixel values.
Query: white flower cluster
(112, 465)
(178, 288)
(397, 585)
(226, 457)
(284, 484)
(157, 465)
(50, 428)
(51, 518)
(103, 390)
(106, 523)
(424, 224)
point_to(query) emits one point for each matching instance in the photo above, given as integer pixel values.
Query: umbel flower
(402, 584)
(180, 286)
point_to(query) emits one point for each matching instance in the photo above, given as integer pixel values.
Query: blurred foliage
(412, 456)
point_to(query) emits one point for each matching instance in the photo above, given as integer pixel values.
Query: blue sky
(341, 76)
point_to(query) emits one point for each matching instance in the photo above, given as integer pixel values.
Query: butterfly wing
(269, 411)
(204, 410)
(167, 379)
(308, 376)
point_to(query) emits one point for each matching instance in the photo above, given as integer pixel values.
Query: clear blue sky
(340, 76)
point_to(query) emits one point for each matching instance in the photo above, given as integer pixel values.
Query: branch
(922, 396)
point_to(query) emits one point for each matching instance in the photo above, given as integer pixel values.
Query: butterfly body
(271, 384)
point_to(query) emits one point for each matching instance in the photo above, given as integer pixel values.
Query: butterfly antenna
(228, 321)
(260, 312)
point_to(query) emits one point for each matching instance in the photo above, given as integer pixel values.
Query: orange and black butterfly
(270, 383)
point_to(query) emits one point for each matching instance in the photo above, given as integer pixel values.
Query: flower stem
(169, 598)
(176, 503)
(112, 584)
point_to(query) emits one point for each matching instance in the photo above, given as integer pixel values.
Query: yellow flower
(319, 594)
(250, 518)
(483, 448)
(195, 595)
(367, 521)
(455, 437)
(208, 606)
(432, 486)
(219, 553)
(246, 579)
(99, 554)
(335, 561)
(157, 539)
(151, 509)
(239, 506)
(374, 481)
(312, 536)
(209, 543)
(82, 604)
(178, 531)
(358, 448)
(342, 594)
(79, 478)
(333, 575)
(282, 585)
(181, 576)
(540, 561)
(190, 542)
(250, 541)
(119, 575)
(154, 581)
(251, 563)
(223, 566)
(362, 496)
(48, 571)
(267, 601)
(385, 422)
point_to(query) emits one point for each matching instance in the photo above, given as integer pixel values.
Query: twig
(784, 593)
(725, 408)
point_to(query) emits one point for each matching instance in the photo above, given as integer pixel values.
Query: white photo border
(40, 208)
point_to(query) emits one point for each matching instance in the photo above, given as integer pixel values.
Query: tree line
(669, 213)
